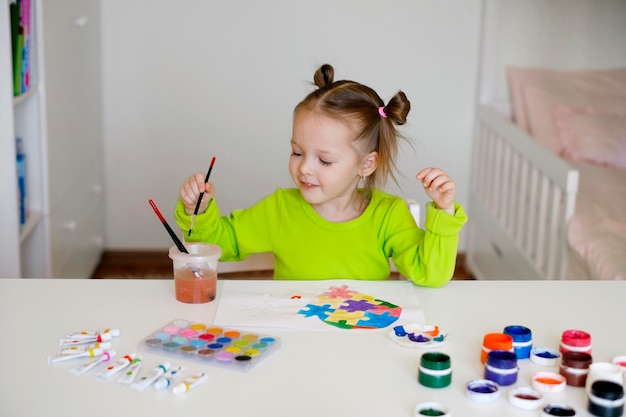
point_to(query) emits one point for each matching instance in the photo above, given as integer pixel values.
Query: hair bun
(324, 76)
(398, 108)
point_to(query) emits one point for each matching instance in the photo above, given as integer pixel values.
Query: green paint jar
(435, 370)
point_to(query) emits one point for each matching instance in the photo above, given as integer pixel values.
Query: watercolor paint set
(209, 344)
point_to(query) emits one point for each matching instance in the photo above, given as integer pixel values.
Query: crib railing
(524, 191)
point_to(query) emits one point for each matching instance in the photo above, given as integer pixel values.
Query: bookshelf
(59, 120)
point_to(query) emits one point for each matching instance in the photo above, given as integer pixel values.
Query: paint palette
(424, 336)
(211, 345)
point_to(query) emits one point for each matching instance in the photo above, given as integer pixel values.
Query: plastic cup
(195, 273)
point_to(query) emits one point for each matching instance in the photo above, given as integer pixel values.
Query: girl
(329, 227)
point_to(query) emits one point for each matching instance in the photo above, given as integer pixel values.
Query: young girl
(329, 227)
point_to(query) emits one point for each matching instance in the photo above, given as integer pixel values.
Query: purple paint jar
(501, 367)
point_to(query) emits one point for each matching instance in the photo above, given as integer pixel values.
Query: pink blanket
(597, 231)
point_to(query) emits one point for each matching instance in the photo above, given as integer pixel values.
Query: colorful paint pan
(230, 348)
(423, 336)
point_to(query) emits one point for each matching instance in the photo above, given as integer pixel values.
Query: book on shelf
(21, 44)
(21, 179)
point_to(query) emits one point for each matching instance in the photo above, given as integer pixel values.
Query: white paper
(284, 304)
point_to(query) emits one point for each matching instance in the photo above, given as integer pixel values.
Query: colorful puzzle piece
(348, 309)
(312, 310)
(360, 305)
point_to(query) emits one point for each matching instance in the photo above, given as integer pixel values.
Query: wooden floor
(156, 264)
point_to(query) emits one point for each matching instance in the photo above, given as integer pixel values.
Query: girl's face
(326, 163)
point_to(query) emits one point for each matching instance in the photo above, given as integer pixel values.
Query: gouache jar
(522, 340)
(604, 371)
(575, 341)
(606, 399)
(575, 367)
(495, 341)
(621, 362)
(501, 367)
(435, 370)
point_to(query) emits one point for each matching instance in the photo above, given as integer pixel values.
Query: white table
(361, 374)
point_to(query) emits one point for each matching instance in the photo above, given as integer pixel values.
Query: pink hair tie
(381, 111)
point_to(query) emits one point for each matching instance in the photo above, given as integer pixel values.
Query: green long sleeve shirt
(306, 246)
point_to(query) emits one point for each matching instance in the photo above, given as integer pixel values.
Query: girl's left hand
(439, 187)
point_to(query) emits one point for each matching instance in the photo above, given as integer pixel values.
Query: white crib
(521, 199)
(522, 196)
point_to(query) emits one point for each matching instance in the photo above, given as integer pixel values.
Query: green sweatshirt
(306, 246)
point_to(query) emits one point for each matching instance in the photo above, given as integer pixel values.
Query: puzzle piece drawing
(320, 311)
(348, 309)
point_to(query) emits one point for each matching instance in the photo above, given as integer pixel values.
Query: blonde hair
(358, 104)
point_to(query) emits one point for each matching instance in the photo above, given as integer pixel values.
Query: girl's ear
(370, 163)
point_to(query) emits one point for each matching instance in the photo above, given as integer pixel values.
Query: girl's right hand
(190, 191)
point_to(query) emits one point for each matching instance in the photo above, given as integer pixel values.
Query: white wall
(191, 79)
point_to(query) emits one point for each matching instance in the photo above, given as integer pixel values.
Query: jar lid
(549, 382)
(560, 410)
(431, 409)
(525, 398)
(482, 390)
(545, 356)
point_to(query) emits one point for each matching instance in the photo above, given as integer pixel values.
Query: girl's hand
(439, 187)
(190, 191)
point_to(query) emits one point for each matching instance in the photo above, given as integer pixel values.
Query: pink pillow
(591, 136)
(517, 78)
(612, 81)
(541, 102)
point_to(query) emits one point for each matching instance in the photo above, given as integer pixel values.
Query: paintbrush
(195, 212)
(175, 238)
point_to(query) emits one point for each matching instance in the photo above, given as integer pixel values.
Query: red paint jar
(575, 367)
(575, 341)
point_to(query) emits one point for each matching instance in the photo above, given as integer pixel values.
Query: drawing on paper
(349, 309)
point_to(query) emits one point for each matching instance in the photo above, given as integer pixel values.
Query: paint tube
(132, 371)
(190, 383)
(114, 368)
(91, 353)
(92, 334)
(169, 377)
(72, 341)
(145, 381)
(73, 350)
(106, 356)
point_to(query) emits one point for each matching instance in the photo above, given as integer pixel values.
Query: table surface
(351, 373)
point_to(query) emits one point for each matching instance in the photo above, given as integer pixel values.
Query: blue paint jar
(501, 367)
(522, 340)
